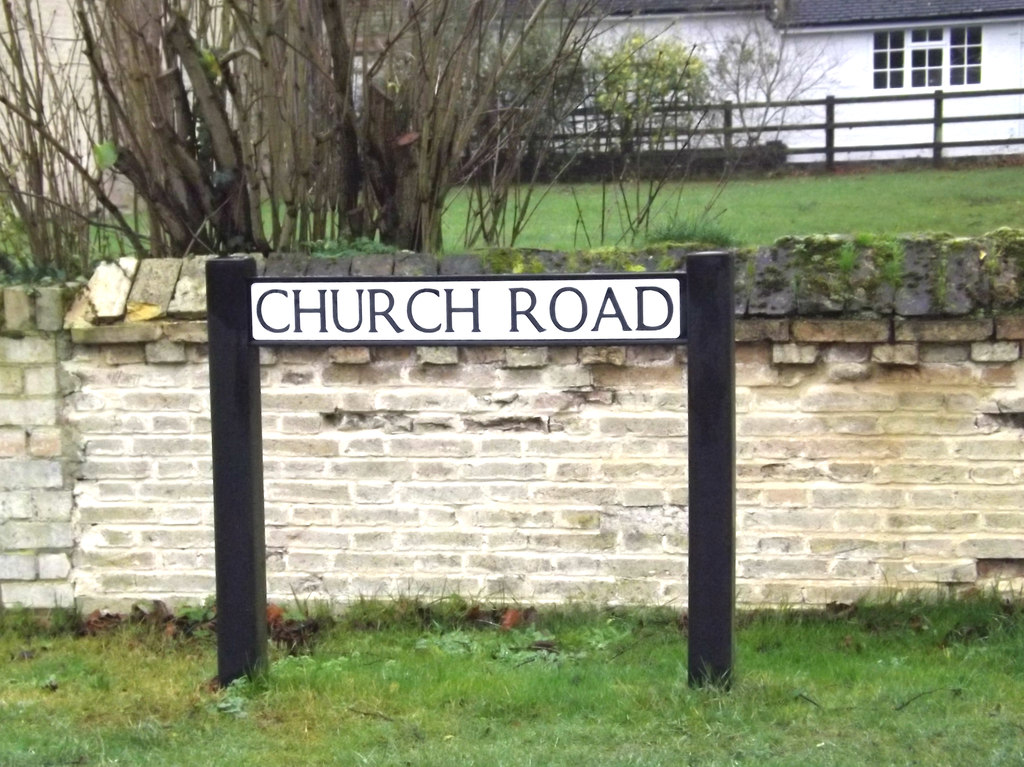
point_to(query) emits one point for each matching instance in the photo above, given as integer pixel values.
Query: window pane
(881, 59)
(974, 55)
(917, 78)
(934, 77)
(918, 36)
(881, 40)
(896, 80)
(956, 76)
(935, 57)
(974, 75)
(956, 57)
(895, 39)
(917, 58)
(880, 79)
(974, 35)
(935, 34)
(957, 35)
(896, 60)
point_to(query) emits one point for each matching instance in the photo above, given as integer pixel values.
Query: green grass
(909, 683)
(962, 202)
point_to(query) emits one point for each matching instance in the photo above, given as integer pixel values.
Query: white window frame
(929, 56)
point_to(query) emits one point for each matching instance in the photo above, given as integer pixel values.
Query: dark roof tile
(639, 7)
(820, 13)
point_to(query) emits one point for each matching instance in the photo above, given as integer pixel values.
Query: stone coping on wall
(810, 290)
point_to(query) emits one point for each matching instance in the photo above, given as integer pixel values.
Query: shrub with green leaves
(643, 85)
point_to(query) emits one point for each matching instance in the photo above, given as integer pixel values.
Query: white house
(867, 49)
(841, 48)
(914, 48)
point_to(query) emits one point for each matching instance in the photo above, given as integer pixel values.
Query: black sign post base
(235, 414)
(711, 398)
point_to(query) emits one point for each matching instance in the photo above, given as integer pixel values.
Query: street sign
(587, 310)
(695, 308)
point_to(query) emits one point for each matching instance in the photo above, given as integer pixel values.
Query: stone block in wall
(895, 354)
(1004, 280)
(18, 310)
(461, 264)
(992, 548)
(153, 289)
(1010, 327)
(915, 293)
(28, 412)
(164, 352)
(109, 287)
(186, 331)
(12, 380)
(773, 292)
(54, 567)
(350, 355)
(50, 307)
(32, 350)
(437, 355)
(959, 284)
(45, 595)
(33, 535)
(603, 355)
(288, 265)
(46, 442)
(137, 333)
(840, 331)
(526, 357)
(13, 442)
(41, 381)
(189, 301)
(742, 282)
(754, 329)
(18, 567)
(943, 330)
(52, 505)
(794, 354)
(415, 265)
(337, 266)
(995, 351)
(81, 313)
(373, 265)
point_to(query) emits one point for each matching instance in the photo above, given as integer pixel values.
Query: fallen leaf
(275, 614)
(99, 621)
(511, 619)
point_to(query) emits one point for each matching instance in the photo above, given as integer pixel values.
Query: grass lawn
(962, 202)
(915, 683)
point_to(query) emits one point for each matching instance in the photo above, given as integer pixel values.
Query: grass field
(907, 684)
(968, 201)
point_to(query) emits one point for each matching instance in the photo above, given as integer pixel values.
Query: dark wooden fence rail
(721, 126)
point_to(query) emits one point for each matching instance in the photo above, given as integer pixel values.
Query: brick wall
(874, 451)
(36, 505)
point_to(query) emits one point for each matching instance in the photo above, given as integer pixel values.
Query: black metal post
(937, 130)
(237, 472)
(711, 381)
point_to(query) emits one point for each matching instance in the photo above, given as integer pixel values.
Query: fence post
(830, 133)
(937, 130)
(727, 125)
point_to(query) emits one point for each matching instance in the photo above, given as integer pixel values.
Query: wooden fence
(830, 128)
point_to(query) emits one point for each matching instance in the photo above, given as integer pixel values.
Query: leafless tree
(254, 124)
(757, 64)
(53, 202)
